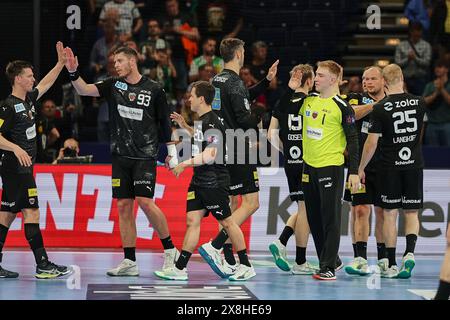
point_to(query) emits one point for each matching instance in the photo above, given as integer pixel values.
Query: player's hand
(178, 170)
(62, 56)
(362, 176)
(72, 60)
(273, 71)
(354, 183)
(178, 118)
(296, 79)
(23, 157)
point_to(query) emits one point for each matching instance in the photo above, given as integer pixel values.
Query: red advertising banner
(77, 209)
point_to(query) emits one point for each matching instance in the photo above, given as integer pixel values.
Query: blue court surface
(89, 281)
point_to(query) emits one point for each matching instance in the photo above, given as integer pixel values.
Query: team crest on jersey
(367, 100)
(315, 114)
(19, 107)
(132, 96)
(350, 119)
(121, 85)
(308, 113)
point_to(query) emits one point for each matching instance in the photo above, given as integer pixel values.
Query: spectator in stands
(95, 7)
(70, 149)
(148, 47)
(353, 85)
(46, 132)
(206, 72)
(208, 57)
(437, 98)
(416, 11)
(125, 14)
(220, 18)
(414, 57)
(261, 101)
(440, 25)
(180, 30)
(73, 107)
(259, 64)
(101, 49)
(165, 74)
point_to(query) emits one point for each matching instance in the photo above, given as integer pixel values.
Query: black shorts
(133, 178)
(244, 179)
(401, 189)
(214, 200)
(19, 192)
(368, 195)
(294, 177)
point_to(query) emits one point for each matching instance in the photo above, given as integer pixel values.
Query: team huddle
(375, 135)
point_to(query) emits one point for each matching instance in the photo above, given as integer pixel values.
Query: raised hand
(62, 56)
(296, 79)
(178, 118)
(72, 60)
(273, 71)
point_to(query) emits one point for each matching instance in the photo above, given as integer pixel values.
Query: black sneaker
(5, 274)
(49, 270)
(325, 274)
(339, 264)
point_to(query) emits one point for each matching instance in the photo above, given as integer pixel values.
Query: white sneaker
(229, 269)
(278, 251)
(172, 273)
(243, 273)
(213, 257)
(305, 268)
(383, 265)
(408, 263)
(126, 268)
(391, 272)
(358, 266)
(170, 258)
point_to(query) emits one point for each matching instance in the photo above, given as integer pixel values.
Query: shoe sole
(232, 279)
(211, 263)
(352, 271)
(323, 279)
(281, 263)
(305, 273)
(44, 276)
(406, 273)
(9, 277)
(122, 275)
(160, 275)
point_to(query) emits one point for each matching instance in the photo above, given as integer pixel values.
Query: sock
(355, 251)
(243, 258)
(285, 235)
(130, 253)
(443, 292)
(220, 239)
(34, 237)
(300, 255)
(361, 247)
(167, 243)
(3, 234)
(391, 256)
(183, 260)
(410, 243)
(381, 250)
(228, 253)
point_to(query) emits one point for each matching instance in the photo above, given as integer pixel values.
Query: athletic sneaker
(172, 273)
(408, 263)
(170, 258)
(325, 274)
(213, 257)
(391, 272)
(49, 270)
(305, 268)
(339, 264)
(5, 274)
(243, 273)
(383, 265)
(278, 251)
(358, 266)
(127, 268)
(229, 269)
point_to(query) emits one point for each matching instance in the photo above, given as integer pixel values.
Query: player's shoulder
(340, 102)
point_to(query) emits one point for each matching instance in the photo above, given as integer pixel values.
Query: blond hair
(333, 67)
(307, 72)
(392, 74)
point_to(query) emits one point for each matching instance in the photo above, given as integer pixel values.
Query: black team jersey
(18, 125)
(209, 132)
(290, 123)
(138, 117)
(363, 124)
(399, 119)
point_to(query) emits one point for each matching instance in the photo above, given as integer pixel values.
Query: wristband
(74, 75)
(172, 152)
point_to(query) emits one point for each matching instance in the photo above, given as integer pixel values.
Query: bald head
(372, 80)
